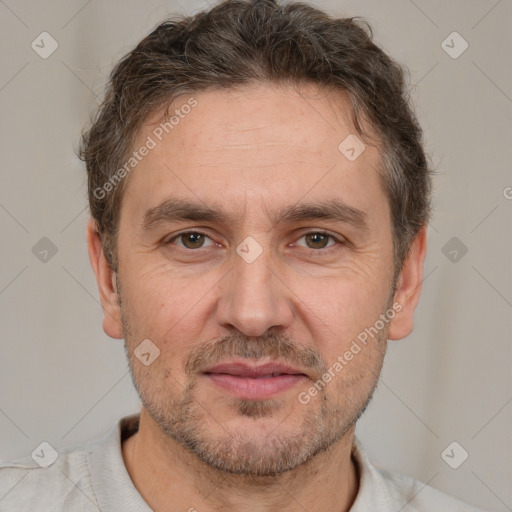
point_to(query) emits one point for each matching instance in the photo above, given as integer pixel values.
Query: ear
(408, 288)
(106, 279)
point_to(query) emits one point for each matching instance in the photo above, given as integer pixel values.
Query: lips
(254, 372)
(254, 382)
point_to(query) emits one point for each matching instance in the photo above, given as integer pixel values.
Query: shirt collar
(111, 481)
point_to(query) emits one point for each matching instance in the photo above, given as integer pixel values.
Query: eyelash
(325, 250)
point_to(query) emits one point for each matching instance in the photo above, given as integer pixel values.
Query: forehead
(264, 145)
(286, 119)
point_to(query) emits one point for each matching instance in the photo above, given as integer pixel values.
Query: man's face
(249, 286)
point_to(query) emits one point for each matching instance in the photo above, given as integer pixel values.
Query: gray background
(64, 381)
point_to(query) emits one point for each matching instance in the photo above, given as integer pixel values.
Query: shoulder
(388, 491)
(82, 478)
(28, 484)
(416, 496)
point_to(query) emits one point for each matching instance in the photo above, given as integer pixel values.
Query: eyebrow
(176, 210)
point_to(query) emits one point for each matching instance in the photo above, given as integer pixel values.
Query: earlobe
(408, 287)
(107, 283)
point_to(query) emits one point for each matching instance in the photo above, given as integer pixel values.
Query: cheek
(337, 308)
(164, 307)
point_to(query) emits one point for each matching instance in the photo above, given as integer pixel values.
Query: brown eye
(190, 240)
(317, 240)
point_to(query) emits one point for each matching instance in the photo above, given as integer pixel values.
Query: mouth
(252, 382)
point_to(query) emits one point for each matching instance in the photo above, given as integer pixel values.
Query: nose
(254, 297)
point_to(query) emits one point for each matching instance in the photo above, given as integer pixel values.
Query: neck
(169, 477)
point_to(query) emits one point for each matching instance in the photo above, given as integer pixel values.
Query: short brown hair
(244, 42)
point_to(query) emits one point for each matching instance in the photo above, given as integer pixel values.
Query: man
(259, 198)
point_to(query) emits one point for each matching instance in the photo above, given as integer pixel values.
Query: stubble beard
(183, 418)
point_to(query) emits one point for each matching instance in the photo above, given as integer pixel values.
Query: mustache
(277, 347)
